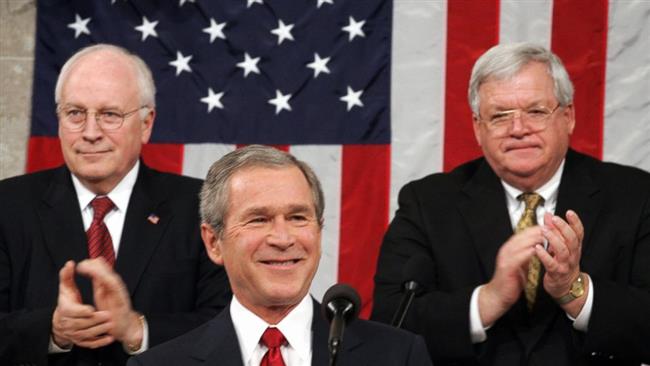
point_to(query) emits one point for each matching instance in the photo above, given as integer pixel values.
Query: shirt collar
(119, 195)
(296, 327)
(548, 191)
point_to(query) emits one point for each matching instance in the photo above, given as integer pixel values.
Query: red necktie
(273, 339)
(99, 239)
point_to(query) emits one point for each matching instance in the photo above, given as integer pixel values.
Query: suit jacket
(164, 265)
(460, 219)
(364, 343)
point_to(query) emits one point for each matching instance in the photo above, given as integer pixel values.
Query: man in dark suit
(571, 286)
(150, 279)
(262, 213)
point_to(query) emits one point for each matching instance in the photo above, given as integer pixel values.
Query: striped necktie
(528, 219)
(99, 239)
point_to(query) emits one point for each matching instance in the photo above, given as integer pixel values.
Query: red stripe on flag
(472, 28)
(43, 153)
(164, 157)
(284, 148)
(365, 189)
(579, 38)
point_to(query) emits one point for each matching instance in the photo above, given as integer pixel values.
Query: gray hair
(146, 86)
(215, 191)
(504, 61)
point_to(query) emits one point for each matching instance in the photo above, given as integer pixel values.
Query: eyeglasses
(74, 118)
(536, 118)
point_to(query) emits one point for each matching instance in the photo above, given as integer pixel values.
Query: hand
(562, 260)
(112, 298)
(74, 322)
(509, 278)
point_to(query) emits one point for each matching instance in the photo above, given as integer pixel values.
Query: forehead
(532, 84)
(100, 76)
(269, 186)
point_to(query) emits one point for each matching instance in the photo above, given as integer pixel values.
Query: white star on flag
(352, 98)
(181, 2)
(215, 30)
(79, 25)
(319, 65)
(213, 100)
(251, 2)
(283, 31)
(181, 63)
(249, 64)
(280, 102)
(321, 2)
(147, 28)
(354, 29)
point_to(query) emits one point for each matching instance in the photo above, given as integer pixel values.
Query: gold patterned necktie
(528, 219)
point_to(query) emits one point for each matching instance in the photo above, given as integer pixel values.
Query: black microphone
(341, 305)
(417, 272)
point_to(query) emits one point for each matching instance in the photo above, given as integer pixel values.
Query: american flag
(370, 93)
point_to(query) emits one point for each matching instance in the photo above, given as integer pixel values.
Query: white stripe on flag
(529, 21)
(627, 92)
(325, 160)
(197, 158)
(417, 91)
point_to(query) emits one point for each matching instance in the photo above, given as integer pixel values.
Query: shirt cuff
(54, 348)
(581, 322)
(145, 339)
(476, 328)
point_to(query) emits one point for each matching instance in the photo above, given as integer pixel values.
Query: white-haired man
(540, 254)
(102, 257)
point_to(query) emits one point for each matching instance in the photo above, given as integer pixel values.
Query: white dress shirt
(114, 220)
(296, 328)
(549, 192)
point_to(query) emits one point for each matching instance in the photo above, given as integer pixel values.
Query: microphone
(341, 305)
(417, 271)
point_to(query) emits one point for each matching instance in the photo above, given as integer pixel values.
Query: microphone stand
(410, 288)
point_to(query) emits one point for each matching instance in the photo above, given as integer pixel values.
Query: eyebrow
(263, 210)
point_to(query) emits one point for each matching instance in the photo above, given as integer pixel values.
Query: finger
(97, 342)
(94, 330)
(67, 285)
(576, 224)
(69, 308)
(570, 237)
(100, 272)
(549, 263)
(556, 244)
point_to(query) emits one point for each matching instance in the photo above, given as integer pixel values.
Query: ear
(569, 114)
(476, 125)
(147, 125)
(212, 242)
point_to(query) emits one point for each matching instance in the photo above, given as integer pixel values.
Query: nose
(280, 235)
(518, 126)
(91, 130)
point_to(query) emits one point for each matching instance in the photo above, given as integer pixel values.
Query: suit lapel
(486, 215)
(141, 234)
(218, 345)
(578, 192)
(320, 335)
(62, 225)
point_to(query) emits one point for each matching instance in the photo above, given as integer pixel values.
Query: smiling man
(262, 213)
(102, 257)
(540, 254)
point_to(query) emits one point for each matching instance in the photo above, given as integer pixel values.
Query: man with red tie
(262, 216)
(102, 257)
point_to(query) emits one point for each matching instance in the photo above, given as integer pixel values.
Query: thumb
(67, 285)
